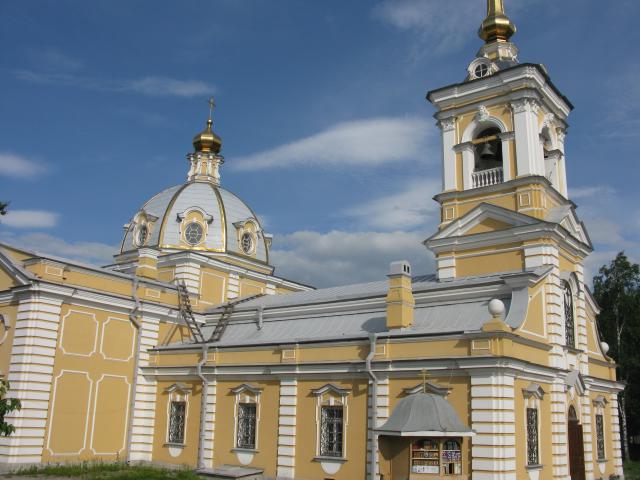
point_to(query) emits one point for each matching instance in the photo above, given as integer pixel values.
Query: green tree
(3, 208)
(617, 291)
(7, 405)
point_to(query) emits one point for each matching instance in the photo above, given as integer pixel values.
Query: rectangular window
(331, 431)
(246, 425)
(176, 422)
(600, 437)
(532, 436)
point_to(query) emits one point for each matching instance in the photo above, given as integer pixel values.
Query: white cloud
(150, 85)
(29, 219)
(404, 210)
(340, 258)
(590, 192)
(16, 166)
(362, 142)
(88, 252)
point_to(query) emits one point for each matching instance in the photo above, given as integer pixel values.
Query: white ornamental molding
(447, 124)
(483, 114)
(561, 134)
(549, 120)
(524, 105)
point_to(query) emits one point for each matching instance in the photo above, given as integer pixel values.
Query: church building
(190, 351)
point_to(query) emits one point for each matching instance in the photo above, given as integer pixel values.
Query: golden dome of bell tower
(496, 27)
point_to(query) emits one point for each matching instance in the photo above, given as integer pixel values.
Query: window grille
(246, 425)
(176, 422)
(600, 436)
(532, 436)
(569, 327)
(331, 431)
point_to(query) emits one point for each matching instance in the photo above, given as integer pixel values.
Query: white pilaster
(448, 128)
(468, 163)
(615, 434)
(30, 377)
(587, 434)
(210, 424)
(559, 447)
(144, 405)
(525, 121)
(493, 419)
(189, 273)
(287, 428)
(233, 286)
(382, 411)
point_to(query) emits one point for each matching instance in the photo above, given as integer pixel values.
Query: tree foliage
(617, 291)
(7, 405)
(3, 208)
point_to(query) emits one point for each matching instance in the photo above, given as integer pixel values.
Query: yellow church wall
(458, 397)
(534, 323)
(265, 455)
(6, 280)
(171, 332)
(186, 454)
(597, 369)
(213, 286)
(508, 261)
(355, 436)
(166, 274)
(92, 378)
(7, 333)
(488, 225)
(16, 253)
(248, 288)
(398, 349)
(545, 453)
(248, 357)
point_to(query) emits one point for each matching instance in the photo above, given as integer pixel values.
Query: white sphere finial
(496, 308)
(605, 347)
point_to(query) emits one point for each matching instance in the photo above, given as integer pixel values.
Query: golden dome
(207, 140)
(497, 26)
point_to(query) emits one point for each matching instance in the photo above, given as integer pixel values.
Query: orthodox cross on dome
(212, 105)
(425, 375)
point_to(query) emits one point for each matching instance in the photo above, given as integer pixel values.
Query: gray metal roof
(428, 320)
(424, 413)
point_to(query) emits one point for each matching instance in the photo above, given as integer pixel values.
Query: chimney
(147, 263)
(399, 299)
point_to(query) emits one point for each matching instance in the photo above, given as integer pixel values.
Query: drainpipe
(373, 437)
(203, 405)
(260, 316)
(133, 317)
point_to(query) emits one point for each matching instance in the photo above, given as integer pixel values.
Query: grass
(632, 470)
(106, 471)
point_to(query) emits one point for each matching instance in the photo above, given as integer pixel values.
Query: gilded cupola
(496, 27)
(207, 140)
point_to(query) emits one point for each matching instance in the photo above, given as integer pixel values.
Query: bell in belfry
(488, 152)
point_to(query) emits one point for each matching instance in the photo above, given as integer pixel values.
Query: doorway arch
(576, 446)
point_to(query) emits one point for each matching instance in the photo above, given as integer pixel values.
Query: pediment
(484, 218)
(574, 226)
(428, 388)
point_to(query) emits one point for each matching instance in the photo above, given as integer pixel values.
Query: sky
(321, 107)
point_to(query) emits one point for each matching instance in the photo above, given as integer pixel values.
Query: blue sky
(326, 132)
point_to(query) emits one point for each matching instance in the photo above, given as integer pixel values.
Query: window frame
(178, 393)
(535, 448)
(246, 394)
(337, 434)
(242, 406)
(568, 315)
(331, 395)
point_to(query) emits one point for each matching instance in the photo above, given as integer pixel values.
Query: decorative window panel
(532, 437)
(177, 412)
(600, 437)
(246, 437)
(569, 322)
(331, 431)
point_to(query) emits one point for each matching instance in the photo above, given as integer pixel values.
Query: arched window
(569, 323)
(487, 158)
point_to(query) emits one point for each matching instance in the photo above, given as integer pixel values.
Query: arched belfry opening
(488, 158)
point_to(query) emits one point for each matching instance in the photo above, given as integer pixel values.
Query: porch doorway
(576, 446)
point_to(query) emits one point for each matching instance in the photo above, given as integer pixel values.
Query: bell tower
(503, 129)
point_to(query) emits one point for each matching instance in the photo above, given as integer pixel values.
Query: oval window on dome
(193, 233)
(142, 235)
(481, 70)
(247, 243)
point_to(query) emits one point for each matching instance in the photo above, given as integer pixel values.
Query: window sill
(573, 350)
(602, 460)
(321, 458)
(179, 445)
(537, 466)
(245, 450)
